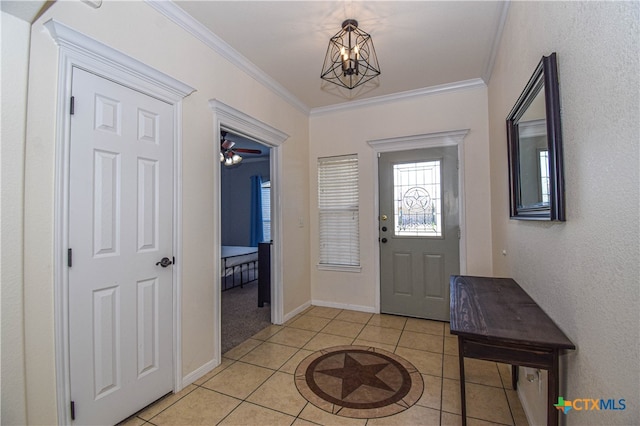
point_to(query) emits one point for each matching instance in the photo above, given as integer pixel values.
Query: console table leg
(463, 402)
(553, 391)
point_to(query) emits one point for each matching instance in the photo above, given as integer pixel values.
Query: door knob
(384, 217)
(165, 262)
(383, 240)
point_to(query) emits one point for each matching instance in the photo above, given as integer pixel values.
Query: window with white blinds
(266, 210)
(338, 208)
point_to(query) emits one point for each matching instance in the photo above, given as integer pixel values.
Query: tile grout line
(442, 378)
(314, 334)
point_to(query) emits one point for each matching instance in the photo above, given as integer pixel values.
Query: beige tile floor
(254, 385)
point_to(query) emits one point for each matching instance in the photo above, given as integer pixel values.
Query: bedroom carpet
(241, 317)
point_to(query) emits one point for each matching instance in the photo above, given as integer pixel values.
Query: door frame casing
(422, 141)
(228, 118)
(77, 50)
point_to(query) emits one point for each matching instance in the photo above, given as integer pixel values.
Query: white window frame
(265, 193)
(338, 208)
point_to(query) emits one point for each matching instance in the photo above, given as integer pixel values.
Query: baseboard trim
(296, 311)
(360, 308)
(199, 372)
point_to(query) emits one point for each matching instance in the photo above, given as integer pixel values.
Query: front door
(120, 227)
(419, 231)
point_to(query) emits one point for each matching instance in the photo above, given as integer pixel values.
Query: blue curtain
(256, 235)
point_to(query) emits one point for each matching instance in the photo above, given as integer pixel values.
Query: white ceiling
(22, 9)
(419, 44)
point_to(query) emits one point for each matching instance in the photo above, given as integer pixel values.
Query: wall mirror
(534, 136)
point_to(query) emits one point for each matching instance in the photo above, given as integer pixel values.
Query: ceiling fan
(228, 154)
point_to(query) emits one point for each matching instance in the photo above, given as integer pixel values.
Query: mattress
(238, 255)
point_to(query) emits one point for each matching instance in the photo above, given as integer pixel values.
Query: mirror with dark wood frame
(534, 136)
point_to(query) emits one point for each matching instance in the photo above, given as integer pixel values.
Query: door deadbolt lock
(384, 229)
(383, 240)
(384, 217)
(165, 262)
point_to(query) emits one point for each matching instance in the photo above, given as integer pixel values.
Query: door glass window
(417, 199)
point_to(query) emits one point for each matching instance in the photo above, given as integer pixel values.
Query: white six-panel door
(120, 226)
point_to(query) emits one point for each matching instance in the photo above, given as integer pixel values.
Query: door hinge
(459, 233)
(174, 260)
(70, 258)
(72, 106)
(73, 410)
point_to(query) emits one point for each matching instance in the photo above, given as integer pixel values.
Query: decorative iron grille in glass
(417, 199)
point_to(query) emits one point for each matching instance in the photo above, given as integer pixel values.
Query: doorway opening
(245, 221)
(231, 120)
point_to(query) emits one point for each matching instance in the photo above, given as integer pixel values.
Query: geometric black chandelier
(351, 58)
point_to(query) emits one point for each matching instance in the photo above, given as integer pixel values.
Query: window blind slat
(266, 210)
(338, 210)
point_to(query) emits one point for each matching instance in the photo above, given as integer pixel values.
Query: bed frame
(238, 260)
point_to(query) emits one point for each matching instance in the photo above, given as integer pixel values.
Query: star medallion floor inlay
(359, 381)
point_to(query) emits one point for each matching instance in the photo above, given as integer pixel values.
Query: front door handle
(165, 262)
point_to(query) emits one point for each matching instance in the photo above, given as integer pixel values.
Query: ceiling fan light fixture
(351, 59)
(230, 158)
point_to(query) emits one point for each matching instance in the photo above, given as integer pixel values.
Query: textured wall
(585, 272)
(15, 61)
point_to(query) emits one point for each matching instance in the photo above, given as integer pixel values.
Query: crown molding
(497, 37)
(181, 18)
(394, 97)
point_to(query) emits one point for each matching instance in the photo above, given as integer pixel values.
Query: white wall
(15, 62)
(347, 132)
(584, 273)
(139, 31)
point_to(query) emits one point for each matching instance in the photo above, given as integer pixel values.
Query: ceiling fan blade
(227, 144)
(248, 151)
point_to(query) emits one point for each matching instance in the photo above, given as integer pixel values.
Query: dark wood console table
(496, 320)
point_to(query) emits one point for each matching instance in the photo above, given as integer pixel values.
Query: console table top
(498, 309)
